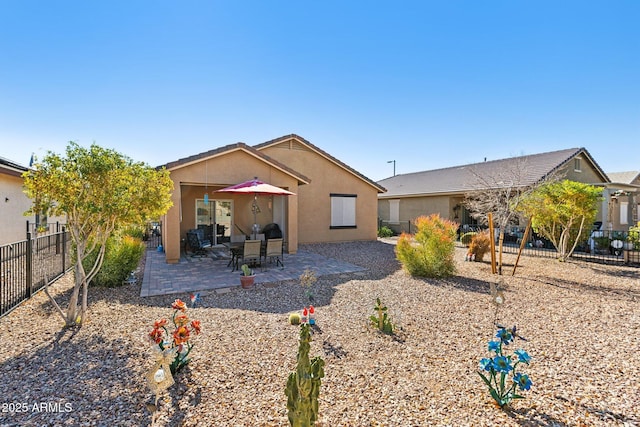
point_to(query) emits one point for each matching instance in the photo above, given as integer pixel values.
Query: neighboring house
(13, 203)
(332, 201)
(622, 200)
(442, 191)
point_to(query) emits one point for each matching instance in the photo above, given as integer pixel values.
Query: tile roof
(623, 177)
(10, 167)
(233, 147)
(461, 179)
(324, 154)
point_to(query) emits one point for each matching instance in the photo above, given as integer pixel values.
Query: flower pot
(247, 281)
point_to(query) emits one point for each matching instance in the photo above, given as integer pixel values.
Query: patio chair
(197, 243)
(274, 251)
(251, 253)
(220, 229)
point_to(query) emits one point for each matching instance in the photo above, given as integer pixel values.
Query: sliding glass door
(214, 218)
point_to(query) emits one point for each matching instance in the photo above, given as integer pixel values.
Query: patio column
(172, 233)
(292, 224)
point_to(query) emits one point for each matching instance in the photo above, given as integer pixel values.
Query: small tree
(562, 212)
(501, 193)
(98, 190)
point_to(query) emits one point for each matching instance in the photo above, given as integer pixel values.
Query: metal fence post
(29, 266)
(64, 248)
(58, 239)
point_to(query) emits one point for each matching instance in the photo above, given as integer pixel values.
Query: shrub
(634, 236)
(480, 245)
(136, 231)
(430, 252)
(385, 232)
(466, 238)
(122, 255)
(381, 319)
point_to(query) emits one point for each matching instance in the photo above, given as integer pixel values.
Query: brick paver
(210, 273)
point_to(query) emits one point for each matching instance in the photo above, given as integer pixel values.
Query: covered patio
(198, 202)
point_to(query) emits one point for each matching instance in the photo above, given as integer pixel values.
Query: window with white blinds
(343, 210)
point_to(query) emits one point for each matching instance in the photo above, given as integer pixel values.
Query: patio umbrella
(255, 187)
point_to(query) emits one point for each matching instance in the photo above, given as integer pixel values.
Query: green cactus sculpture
(303, 385)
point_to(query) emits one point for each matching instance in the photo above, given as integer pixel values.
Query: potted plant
(247, 277)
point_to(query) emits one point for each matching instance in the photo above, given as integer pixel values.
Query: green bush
(634, 236)
(385, 231)
(430, 252)
(122, 255)
(466, 238)
(137, 231)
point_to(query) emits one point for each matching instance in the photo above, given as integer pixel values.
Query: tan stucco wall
(587, 174)
(412, 207)
(230, 168)
(12, 221)
(314, 207)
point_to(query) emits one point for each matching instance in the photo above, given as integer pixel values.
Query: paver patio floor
(208, 273)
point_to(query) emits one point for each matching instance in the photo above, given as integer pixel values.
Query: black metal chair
(197, 243)
(220, 228)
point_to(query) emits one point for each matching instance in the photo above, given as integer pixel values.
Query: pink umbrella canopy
(255, 187)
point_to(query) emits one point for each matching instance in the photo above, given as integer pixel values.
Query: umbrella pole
(255, 212)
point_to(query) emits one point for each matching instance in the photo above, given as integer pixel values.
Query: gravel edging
(582, 322)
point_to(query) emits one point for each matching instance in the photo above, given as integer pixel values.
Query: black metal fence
(605, 246)
(397, 227)
(43, 229)
(153, 235)
(25, 265)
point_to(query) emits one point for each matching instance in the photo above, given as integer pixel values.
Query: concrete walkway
(209, 273)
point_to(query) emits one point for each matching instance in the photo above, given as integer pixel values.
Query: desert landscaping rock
(581, 320)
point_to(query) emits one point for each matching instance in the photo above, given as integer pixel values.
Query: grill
(272, 231)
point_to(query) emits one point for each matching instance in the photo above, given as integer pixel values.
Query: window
(624, 213)
(41, 224)
(576, 165)
(343, 210)
(394, 211)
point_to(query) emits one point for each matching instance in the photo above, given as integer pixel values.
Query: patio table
(235, 249)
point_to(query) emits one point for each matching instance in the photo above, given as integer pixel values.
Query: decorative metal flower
(523, 381)
(502, 364)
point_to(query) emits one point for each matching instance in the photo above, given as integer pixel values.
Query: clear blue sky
(429, 84)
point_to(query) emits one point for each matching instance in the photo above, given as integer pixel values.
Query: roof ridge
(323, 153)
(574, 150)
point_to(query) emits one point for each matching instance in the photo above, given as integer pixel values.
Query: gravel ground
(582, 322)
